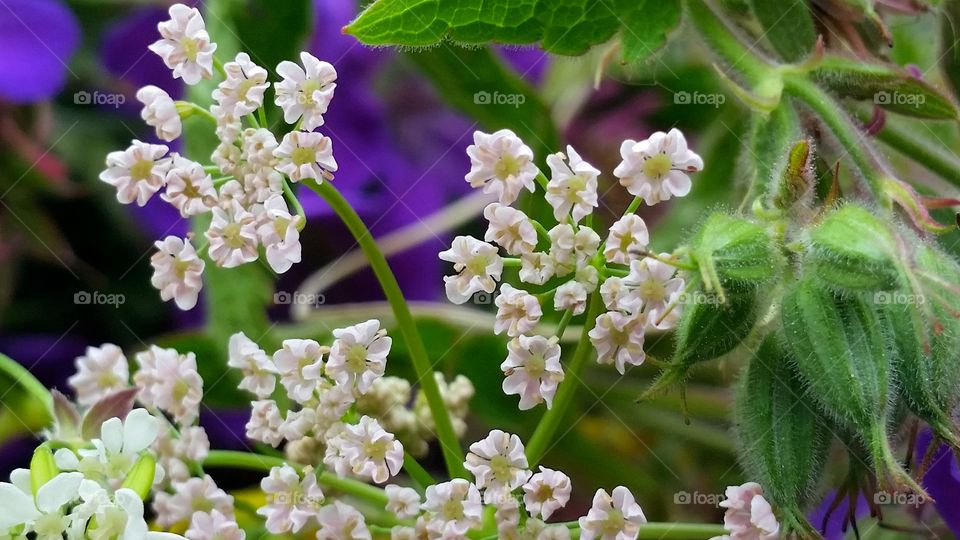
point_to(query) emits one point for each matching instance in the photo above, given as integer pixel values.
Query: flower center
(303, 156)
(231, 234)
(50, 525)
(142, 169)
(376, 450)
(190, 48)
(501, 467)
(614, 522)
(357, 358)
(536, 365)
(653, 290)
(657, 166)
(452, 510)
(309, 87)
(477, 265)
(506, 166)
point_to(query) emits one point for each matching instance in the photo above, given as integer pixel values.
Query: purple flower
(37, 38)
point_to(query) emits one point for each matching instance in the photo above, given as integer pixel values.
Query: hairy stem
(452, 453)
(920, 149)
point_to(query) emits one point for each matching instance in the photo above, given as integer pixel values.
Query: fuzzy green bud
(851, 250)
(733, 252)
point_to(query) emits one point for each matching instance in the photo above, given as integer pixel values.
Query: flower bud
(140, 478)
(851, 250)
(733, 252)
(42, 468)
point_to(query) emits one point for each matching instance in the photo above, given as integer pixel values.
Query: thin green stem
(839, 123)
(262, 115)
(919, 148)
(218, 65)
(417, 473)
(292, 199)
(564, 321)
(541, 231)
(452, 453)
(253, 120)
(512, 262)
(542, 180)
(634, 204)
(550, 421)
(197, 109)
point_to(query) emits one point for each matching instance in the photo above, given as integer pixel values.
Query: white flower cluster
(250, 203)
(167, 383)
(748, 516)
(570, 261)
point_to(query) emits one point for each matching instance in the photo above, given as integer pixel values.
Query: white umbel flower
(478, 267)
(455, 508)
(160, 112)
(536, 268)
(120, 444)
(177, 271)
(229, 124)
(189, 189)
(498, 464)
(619, 296)
(546, 492)
(279, 234)
(749, 516)
(518, 311)
(137, 172)
(571, 295)
(654, 283)
(369, 450)
(572, 189)
(213, 525)
(192, 495)
(300, 363)
(339, 521)
(101, 371)
(656, 168)
(305, 154)
(627, 235)
(618, 338)
(563, 243)
(233, 236)
(265, 423)
(259, 373)
(501, 164)
(185, 46)
(510, 228)
(532, 370)
(403, 502)
(291, 501)
(169, 381)
(358, 356)
(616, 517)
(45, 515)
(242, 90)
(305, 91)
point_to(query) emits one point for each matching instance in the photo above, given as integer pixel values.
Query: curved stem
(846, 133)
(550, 421)
(920, 149)
(725, 43)
(452, 453)
(19, 375)
(417, 473)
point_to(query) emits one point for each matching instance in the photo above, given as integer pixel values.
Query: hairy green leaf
(787, 25)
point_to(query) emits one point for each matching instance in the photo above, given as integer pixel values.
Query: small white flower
(455, 508)
(501, 164)
(518, 311)
(585, 244)
(43, 515)
(258, 147)
(563, 243)
(265, 422)
(358, 355)
(233, 236)
(259, 373)
(242, 90)
(279, 234)
(101, 371)
(298, 424)
(613, 518)
(654, 284)
(229, 124)
(334, 401)
(618, 338)
(339, 521)
(572, 187)
(536, 268)
(749, 515)
(177, 271)
(628, 234)
(618, 296)
(669, 319)
(160, 112)
(174, 454)
(227, 157)
(404, 502)
(137, 172)
(571, 295)
(213, 525)
(189, 496)
(118, 517)
(478, 267)
(185, 46)
(304, 154)
(510, 228)
(169, 380)
(189, 189)
(498, 464)
(305, 91)
(656, 168)
(546, 492)
(120, 444)
(291, 502)
(300, 363)
(532, 370)
(370, 451)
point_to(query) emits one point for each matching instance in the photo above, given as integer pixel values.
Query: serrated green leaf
(567, 27)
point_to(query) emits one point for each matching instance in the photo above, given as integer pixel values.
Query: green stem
(550, 421)
(202, 111)
(20, 375)
(512, 262)
(718, 35)
(542, 180)
(417, 473)
(292, 199)
(452, 453)
(919, 148)
(634, 204)
(564, 321)
(846, 133)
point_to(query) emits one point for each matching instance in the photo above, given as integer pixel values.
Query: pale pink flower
(498, 464)
(546, 492)
(628, 235)
(501, 164)
(572, 189)
(185, 46)
(358, 355)
(518, 311)
(618, 338)
(339, 521)
(656, 168)
(305, 154)
(160, 112)
(137, 172)
(101, 371)
(259, 373)
(291, 501)
(749, 515)
(300, 363)
(616, 517)
(177, 271)
(305, 91)
(532, 370)
(169, 381)
(510, 228)
(478, 267)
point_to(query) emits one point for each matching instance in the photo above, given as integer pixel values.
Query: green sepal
(733, 253)
(783, 436)
(141, 476)
(43, 468)
(851, 250)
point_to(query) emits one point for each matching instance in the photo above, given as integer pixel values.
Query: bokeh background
(400, 122)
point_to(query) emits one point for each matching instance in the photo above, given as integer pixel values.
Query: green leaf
(787, 25)
(567, 27)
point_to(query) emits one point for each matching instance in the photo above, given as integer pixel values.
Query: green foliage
(852, 250)
(783, 436)
(949, 35)
(568, 27)
(733, 251)
(771, 137)
(787, 25)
